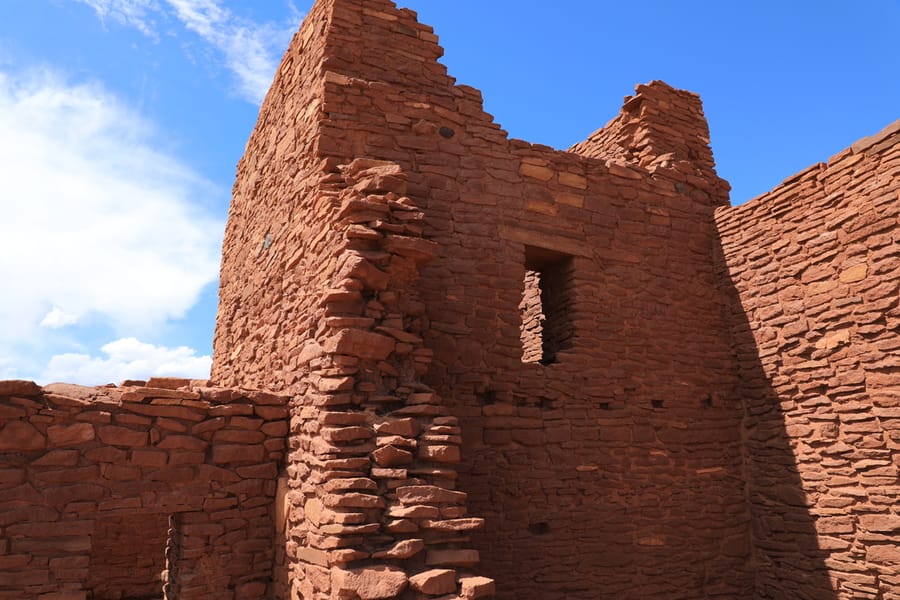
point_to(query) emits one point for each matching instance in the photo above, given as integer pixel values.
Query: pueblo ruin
(449, 364)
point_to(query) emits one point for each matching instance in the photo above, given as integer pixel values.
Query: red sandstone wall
(616, 472)
(318, 298)
(269, 272)
(111, 492)
(816, 266)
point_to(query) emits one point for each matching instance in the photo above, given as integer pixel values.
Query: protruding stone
(428, 494)
(391, 456)
(402, 549)
(378, 583)
(476, 587)
(434, 582)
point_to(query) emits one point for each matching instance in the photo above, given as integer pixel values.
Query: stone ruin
(490, 368)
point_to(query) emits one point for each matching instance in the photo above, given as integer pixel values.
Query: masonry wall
(615, 471)
(318, 298)
(816, 266)
(166, 490)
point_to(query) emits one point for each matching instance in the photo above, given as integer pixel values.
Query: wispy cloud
(99, 225)
(127, 358)
(134, 13)
(250, 50)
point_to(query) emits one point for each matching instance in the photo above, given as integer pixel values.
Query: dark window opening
(547, 304)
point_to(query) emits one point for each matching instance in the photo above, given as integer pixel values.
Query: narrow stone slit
(547, 305)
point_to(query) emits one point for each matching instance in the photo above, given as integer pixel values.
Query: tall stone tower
(421, 284)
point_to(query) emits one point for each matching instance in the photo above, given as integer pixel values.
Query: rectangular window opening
(547, 305)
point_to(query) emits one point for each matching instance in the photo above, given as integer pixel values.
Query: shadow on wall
(788, 560)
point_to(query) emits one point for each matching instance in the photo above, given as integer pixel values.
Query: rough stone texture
(119, 492)
(637, 390)
(816, 266)
(605, 468)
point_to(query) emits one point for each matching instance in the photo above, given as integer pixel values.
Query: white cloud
(135, 13)
(127, 358)
(97, 222)
(57, 318)
(250, 50)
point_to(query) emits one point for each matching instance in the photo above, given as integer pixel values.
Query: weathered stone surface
(22, 436)
(476, 587)
(434, 582)
(363, 344)
(402, 549)
(368, 584)
(425, 494)
(19, 387)
(70, 435)
(391, 456)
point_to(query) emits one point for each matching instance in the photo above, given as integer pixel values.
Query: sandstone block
(434, 582)
(363, 344)
(476, 587)
(233, 453)
(402, 427)
(122, 436)
(418, 511)
(469, 524)
(19, 387)
(19, 435)
(429, 494)
(353, 500)
(880, 523)
(350, 483)
(402, 549)
(440, 453)
(376, 583)
(536, 170)
(391, 456)
(854, 274)
(346, 434)
(883, 553)
(573, 180)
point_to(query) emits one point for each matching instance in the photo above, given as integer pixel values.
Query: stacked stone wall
(816, 267)
(621, 460)
(318, 297)
(578, 373)
(165, 490)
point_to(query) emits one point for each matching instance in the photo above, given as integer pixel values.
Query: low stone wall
(139, 490)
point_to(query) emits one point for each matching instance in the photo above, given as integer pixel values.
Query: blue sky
(121, 122)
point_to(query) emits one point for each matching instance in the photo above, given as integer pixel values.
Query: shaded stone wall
(816, 265)
(137, 491)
